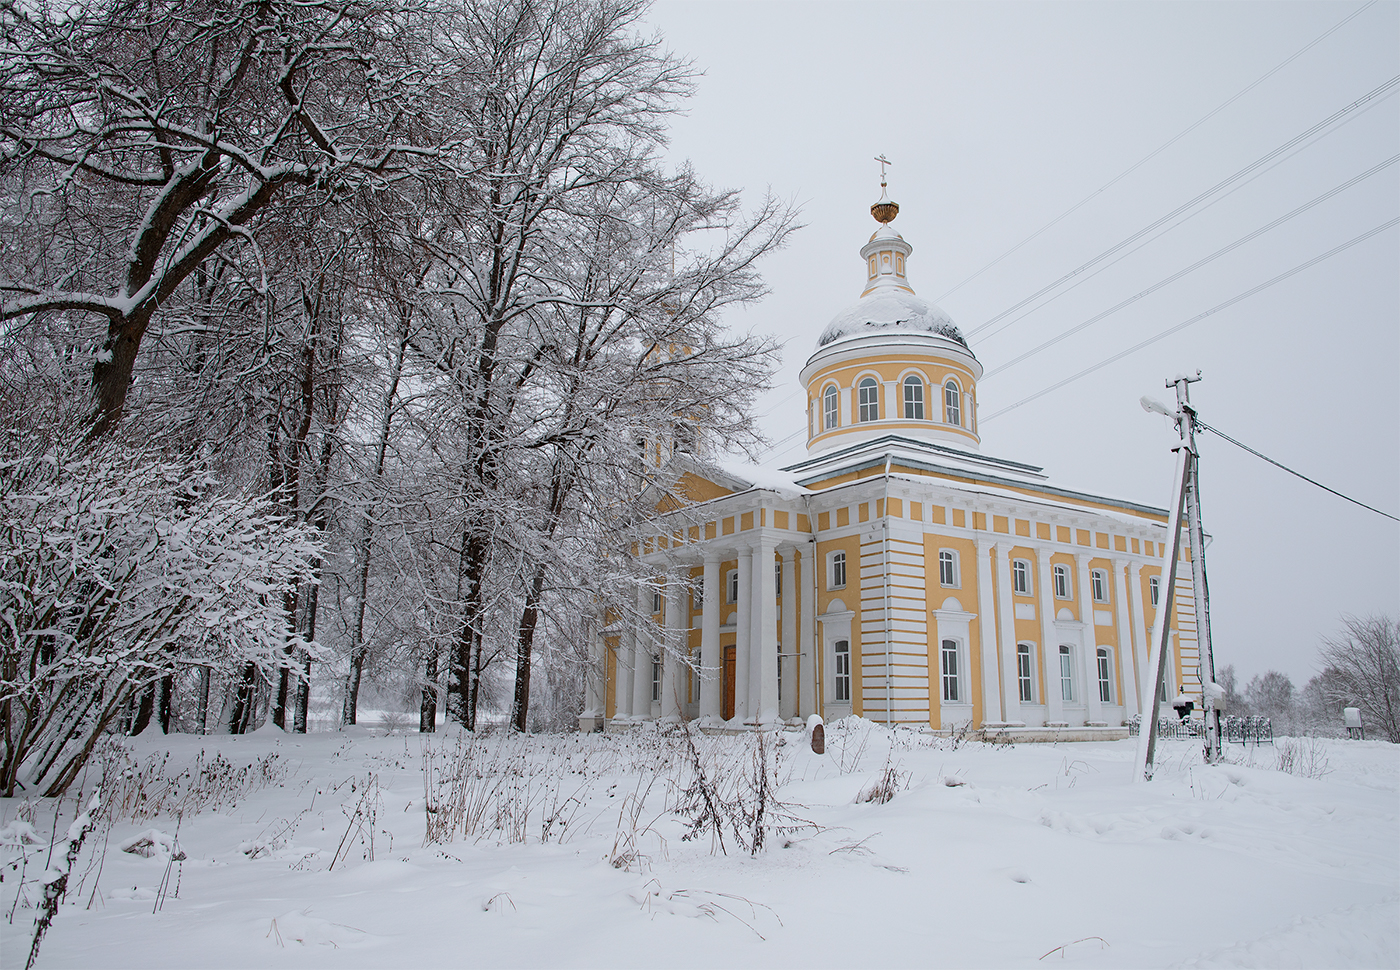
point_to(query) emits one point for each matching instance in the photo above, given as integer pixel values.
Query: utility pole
(1185, 501)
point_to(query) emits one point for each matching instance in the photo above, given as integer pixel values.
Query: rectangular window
(697, 597)
(656, 601)
(948, 567)
(1066, 675)
(1023, 671)
(1154, 588)
(733, 586)
(843, 670)
(656, 677)
(1021, 577)
(1105, 694)
(1062, 582)
(950, 670)
(1100, 580)
(778, 578)
(838, 570)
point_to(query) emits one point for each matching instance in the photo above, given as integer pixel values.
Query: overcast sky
(999, 118)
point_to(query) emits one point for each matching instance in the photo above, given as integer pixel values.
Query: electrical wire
(1193, 267)
(1240, 444)
(1196, 319)
(1163, 147)
(1374, 93)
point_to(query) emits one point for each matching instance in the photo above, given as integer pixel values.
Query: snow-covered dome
(890, 310)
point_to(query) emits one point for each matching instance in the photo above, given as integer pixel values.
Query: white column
(763, 636)
(1089, 643)
(1011, 689)
(711, 663)
(596, 701)
(807, 668)
(1049, 643)
(673, 657)
(1142, 631)
(622, 682)
(641, 657)
(788, 703)
(1127, 642)
(987, 633)
(742, 635)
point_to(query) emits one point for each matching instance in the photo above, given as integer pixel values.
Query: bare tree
(1363, 664)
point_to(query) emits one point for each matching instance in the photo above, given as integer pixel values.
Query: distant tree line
(1360, 668)
(338, 339)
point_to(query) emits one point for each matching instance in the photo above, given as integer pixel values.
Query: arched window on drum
(913, 398)
(869, 392)
(952, 403)
(831, 408)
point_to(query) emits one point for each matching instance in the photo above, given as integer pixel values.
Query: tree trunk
(145, 707)
(524, 645)
(167, 688)
(244, 701)
(427, 709)
(202, 704)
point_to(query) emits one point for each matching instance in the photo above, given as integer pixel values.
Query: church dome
(890, 311)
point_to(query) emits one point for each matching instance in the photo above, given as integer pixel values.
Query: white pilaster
(986, 632)
(787, 704)
(1088, 657)
(743, 634)
(1127, 641)
(595, 702)
(763, 644)
(622, 681)
(807, 667)
(673, 657)
(1049, 643)
(1011, 696)
(711, 665)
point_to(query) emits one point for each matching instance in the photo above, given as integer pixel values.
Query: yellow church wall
(610, 647)
(967, 595)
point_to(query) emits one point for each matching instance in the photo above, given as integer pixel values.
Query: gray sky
(998, 118)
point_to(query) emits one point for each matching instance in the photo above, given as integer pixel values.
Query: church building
(897, 573)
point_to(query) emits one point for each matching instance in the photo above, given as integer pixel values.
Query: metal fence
(1241, 730)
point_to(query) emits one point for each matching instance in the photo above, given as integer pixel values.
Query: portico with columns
(897, 573)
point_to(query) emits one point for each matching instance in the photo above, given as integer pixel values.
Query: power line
(1326, 122)
(1196, 319)
(1194, 266)
(1183, 220)
(1163, 147)
(1239, 444)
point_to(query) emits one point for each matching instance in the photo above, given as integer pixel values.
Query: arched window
(831, 409)
(1023, 672)
(1105, 693)
(1066, 674)
(913, 398)
(952, 403)
(842, 649)
(1021, 577)
(949, 653)
(1100, 578)
(947, 568)
(1062, 588)
(869, 400)
(1154, 589)
(838, 571)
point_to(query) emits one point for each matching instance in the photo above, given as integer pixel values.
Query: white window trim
(908, 381)
(1154, 591)
(1103, 673)
(1065, 653)
(837, 677)
(952, 413)
(959, 677)
(831, 558)
(1030, 672)
(956, 569)
(862, 405)
(1098, 581)
(831, 408)
(731, 586)
(1027, 590)
(1056, 571)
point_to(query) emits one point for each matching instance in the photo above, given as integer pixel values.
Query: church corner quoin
(897, 573)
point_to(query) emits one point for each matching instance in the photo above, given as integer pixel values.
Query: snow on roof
(886, 311)
(770, 479)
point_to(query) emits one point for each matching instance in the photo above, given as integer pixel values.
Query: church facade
(897, 573)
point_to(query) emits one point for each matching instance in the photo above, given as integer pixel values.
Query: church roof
(890, 311)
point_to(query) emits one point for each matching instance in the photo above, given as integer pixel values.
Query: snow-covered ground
(986, 856)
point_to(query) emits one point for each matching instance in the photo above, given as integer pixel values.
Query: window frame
(1066, 655)
(731, 586)
(952, 403)
(913, 404)
(1060, 581)
(1104, 669)
(1025, 672)
(868, 410)
(1154, 590)
(655, 678)
(697, 597)
(831, 408)
(656, 601)
(777, 579)
(836, 569)
(949, 575)
(1021, 570)
(1098, 582)
(948, 650)
(841, 679)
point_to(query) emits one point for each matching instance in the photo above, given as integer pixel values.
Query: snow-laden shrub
(117, 567)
